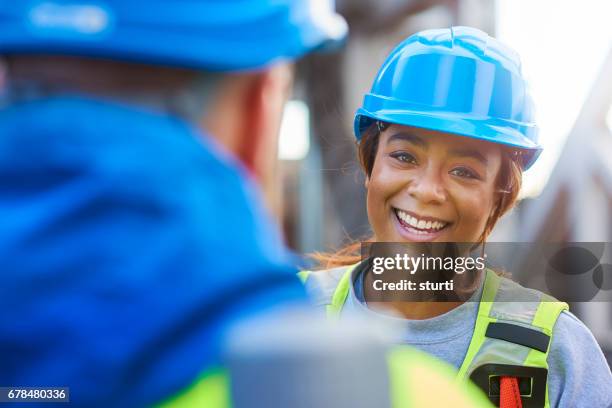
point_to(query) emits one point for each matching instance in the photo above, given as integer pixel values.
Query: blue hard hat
(455, 80)
(222, 35)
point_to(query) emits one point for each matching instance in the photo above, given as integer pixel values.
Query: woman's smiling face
(431, 186)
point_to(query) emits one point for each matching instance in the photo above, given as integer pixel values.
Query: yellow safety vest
(417, 381)
(511, 337)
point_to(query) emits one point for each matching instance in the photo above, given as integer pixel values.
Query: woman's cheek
(383, 186)
(376, 207)
(474, 209)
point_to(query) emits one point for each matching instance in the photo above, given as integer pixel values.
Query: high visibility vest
(512, 335)
(211, 389)
(416, 381)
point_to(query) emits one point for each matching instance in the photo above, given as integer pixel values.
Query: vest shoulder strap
(513, 328)
(329, 288)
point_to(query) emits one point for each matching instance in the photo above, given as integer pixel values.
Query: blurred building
(576, 203)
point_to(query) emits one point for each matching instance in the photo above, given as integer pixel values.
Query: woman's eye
(404, 157)
(464, 172)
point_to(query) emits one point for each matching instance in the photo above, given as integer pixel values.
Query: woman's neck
(417, 304)
(414, 310)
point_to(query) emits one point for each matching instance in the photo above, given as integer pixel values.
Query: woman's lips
(415, 228)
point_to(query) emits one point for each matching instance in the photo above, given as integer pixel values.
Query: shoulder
(579, 374)
(572, 338)
(568, 323)
(322, 284)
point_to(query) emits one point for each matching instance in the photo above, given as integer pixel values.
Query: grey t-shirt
(579, 375)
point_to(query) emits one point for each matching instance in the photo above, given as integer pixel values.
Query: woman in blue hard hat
(444, 136)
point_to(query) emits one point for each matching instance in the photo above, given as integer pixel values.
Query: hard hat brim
(212, 36)
(483, 129)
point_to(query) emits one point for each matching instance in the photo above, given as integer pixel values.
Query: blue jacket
(128, 242)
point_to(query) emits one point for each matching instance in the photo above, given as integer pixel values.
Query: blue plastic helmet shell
(457, 80)
(217, 35)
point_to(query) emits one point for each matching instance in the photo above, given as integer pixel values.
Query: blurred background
(566, 50)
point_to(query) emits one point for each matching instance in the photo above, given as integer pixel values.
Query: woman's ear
(366, 182)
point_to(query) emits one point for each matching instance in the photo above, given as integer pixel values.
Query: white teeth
(413, 221)
(420, 224)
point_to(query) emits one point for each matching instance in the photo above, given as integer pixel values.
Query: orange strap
(509, 393)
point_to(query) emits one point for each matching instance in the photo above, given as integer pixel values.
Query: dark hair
(509, 182)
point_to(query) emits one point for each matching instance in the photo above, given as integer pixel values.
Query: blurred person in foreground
(131, 236)
(133, 233)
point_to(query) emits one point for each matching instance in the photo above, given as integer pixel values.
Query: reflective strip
(514, 302)
(210, 390)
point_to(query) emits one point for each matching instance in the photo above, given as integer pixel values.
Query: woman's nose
(428, 187)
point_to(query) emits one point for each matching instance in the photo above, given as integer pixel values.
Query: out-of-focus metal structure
(581, 182)
(576, 203)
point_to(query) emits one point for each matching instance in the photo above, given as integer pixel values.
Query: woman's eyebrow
(408, 138)
(474, 154)
(421, 142)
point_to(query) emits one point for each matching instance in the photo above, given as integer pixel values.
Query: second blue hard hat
(219, 35)
(457, 80)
